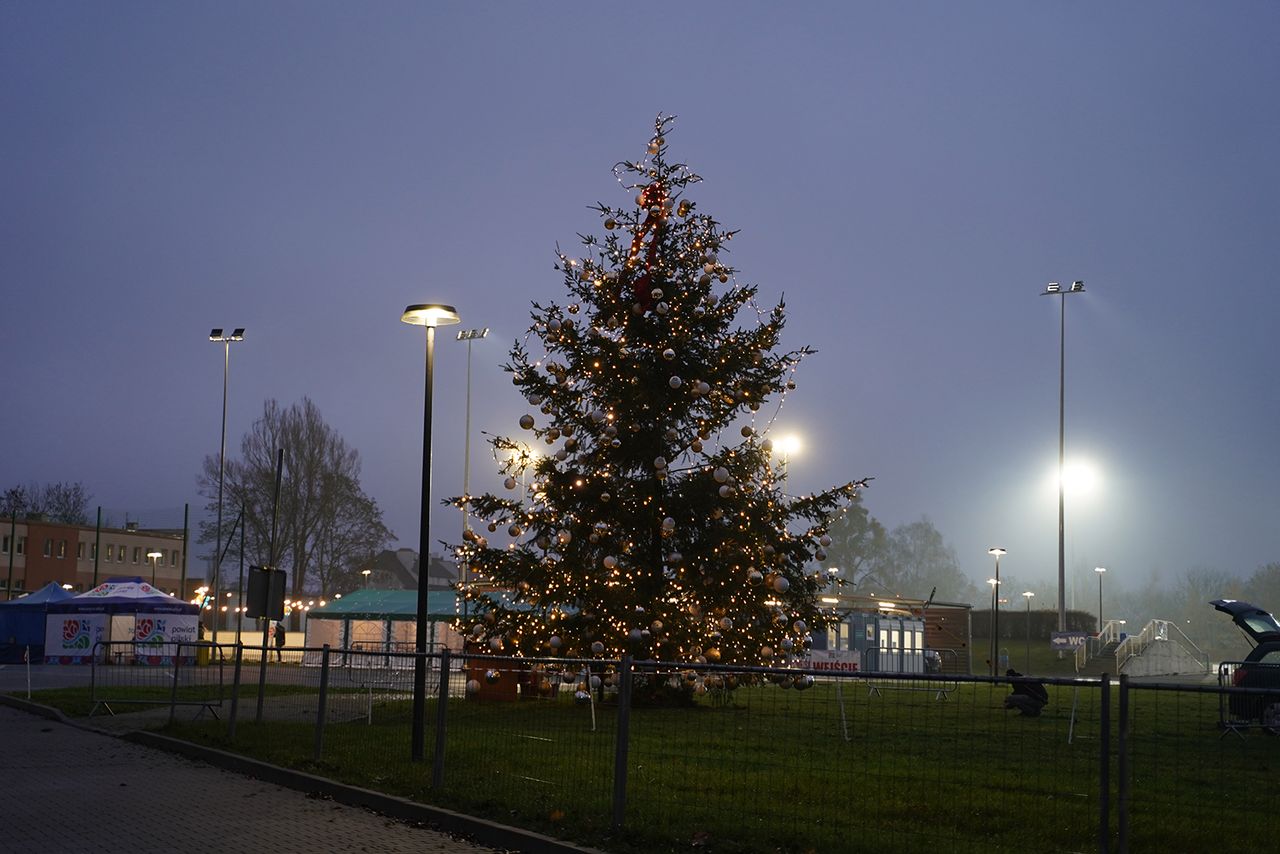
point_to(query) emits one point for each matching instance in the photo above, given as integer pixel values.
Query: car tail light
(1238, 676)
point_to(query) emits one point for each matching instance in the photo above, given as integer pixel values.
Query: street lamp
(216, 336)
(154, 555)
(429, 315)
(991, 645)
(997, 552)
(1027, 595)
(1055, 289)
(366, 573)
(468, 335)
(1100, 570)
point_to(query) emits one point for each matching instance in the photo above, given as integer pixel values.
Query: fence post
(621, 744)
(235, 693)
(1122, 767)
(173, 695)
(1104, 766)
(324, 694)
(442, 704)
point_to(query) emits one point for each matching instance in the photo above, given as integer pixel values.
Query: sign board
(844, 660)
(1067, 640)
(266, 593)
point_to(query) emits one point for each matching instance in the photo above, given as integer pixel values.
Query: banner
(156, 636)
(69, 638)
(844, 660)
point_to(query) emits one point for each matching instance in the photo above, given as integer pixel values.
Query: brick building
(36, 551)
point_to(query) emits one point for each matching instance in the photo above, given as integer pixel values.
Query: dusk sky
(910, 175)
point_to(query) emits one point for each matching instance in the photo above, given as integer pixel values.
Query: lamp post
(430, 316)
(991, 645)
(216, 336)
(468, 335)
(997, 552)
(1027, 664)
(155, 555)
(1101, 570)
(366, 573)
(1055, 289)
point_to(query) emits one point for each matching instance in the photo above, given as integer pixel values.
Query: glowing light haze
(909, 175)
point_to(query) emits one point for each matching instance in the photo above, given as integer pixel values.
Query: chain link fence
(649, 756)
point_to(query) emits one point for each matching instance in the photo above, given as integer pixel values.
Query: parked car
(1261, 667)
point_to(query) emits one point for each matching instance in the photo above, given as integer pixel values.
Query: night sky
(908, 175)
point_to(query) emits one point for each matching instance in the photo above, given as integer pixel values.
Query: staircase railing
(1093, 646)
(1158, 630)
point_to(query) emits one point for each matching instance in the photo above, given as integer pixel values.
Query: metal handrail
(1153, 631)
(1109, 633)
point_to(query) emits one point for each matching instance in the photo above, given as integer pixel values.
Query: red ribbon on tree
(653, 197)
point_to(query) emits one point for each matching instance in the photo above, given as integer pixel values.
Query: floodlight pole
(1055, 289)
(468, 335)
(216, 336)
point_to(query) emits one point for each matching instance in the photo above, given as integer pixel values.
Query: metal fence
(644, 757)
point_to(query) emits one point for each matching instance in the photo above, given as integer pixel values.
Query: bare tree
(327, 525)
(59, 502)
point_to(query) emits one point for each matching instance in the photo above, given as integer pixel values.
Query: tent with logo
(138, 622)
(22, 623)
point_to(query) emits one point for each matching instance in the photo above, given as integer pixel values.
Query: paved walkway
(67, 789)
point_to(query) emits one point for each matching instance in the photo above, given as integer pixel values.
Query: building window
(6, 544)
(93, 552)
(173, 558)
(62, 549)
(79, 551)
(22, 545)
(111, 552)
(137, 554)
(48, 546)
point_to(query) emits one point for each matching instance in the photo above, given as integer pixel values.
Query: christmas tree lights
(654, 522)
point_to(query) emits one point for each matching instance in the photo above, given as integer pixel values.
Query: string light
(645, 376)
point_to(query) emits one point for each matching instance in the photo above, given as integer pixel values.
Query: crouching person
(1028, 696)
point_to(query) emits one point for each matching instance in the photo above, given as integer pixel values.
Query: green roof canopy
(388, 605)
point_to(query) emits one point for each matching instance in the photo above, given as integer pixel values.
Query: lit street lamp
(366, 573)
(1055, 289)
(216, 336)
(995, 607)
(430, 316)
(1100, 570)
(154, 555)
(1027, 595)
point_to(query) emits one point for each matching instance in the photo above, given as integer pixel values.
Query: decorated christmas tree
(645, 516)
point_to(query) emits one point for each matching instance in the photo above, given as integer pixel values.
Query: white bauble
(781, 585)
(675, 382)
(721, 475)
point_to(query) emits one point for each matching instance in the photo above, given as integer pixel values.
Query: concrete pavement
(64, 788)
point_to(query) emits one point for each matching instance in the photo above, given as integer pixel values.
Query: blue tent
(22, 623)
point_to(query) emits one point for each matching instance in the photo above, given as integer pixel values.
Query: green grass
(821, 770)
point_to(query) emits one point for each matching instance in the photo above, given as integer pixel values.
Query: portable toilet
(888, 643)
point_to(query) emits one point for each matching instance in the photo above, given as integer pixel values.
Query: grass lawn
(828, 769)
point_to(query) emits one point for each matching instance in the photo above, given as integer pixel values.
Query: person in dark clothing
(279, 641)
(1028, 696)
